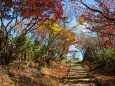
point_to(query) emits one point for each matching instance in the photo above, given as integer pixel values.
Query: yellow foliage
(82, 20)
(56, 27)
(50, 27)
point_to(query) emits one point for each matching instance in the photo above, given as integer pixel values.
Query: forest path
(78, 75)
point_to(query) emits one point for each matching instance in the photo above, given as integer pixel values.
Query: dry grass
(5, 79)
(23, 74)
(58, 70)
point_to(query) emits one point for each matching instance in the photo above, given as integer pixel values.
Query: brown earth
(21, 73)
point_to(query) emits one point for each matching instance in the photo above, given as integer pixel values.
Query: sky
(68, 11)
(78, 30)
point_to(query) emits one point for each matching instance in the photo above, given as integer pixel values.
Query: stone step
(77, 74)
(75, 65)
(81, 72)
(80, 77)
(80, 84)
(78, 80)
(76, 69)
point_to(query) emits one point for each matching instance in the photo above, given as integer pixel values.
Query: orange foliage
(56, 29)
(40, 8)
(100, 19)
(31, 8)
(82, 19)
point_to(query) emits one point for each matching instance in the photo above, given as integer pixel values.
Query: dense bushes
(103, 57)
(96, 51)
(23, 49)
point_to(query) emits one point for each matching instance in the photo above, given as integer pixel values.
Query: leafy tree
(54, 41)
(21, 17)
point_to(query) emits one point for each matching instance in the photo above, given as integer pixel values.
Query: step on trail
(78, 76)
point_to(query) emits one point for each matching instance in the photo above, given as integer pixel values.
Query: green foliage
(97, 52)
(49, 42)
(102, 57)
(109, 53)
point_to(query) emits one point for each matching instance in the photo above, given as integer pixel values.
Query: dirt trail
(78, 76)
